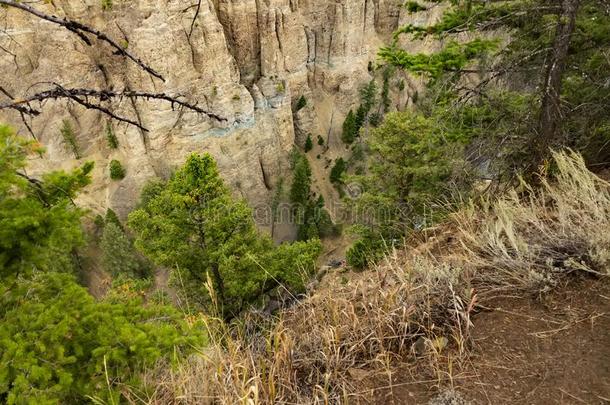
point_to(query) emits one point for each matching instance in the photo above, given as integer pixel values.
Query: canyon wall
(247, 61)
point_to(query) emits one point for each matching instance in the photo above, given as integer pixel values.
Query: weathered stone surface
(245, 60)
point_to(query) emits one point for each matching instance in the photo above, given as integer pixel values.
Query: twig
(548, 333)
(572, 396)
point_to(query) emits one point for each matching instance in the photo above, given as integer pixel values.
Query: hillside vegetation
(417, 306)
(445, 240)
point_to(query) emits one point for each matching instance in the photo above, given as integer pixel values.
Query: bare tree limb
(29, 128)
(194, 19)
(81, 97)
(549, 126)
(23, 110)
(105, 110)
(81, 30)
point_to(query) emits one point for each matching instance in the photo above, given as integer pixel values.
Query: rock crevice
(247, 60)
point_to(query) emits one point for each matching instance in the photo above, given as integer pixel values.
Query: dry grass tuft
(411, 307)
(315, 352)
(528, 242)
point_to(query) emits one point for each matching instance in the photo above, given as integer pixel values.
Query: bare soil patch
(553, 349)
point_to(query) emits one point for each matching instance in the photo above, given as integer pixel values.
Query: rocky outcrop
(245, 60)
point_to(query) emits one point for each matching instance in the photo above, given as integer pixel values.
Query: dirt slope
(544, 350)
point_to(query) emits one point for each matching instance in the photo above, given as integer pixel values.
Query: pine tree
(301, 182)
(60, 345)
(69, 137)
(543, 84)
(360, 119)
(301, 103)
(117, 171)
(195, 226)
(119, 255)
(113, 142)
(310, 216)
(112, 218)
(337, 171)
(349, 128)
(39, 225)
(368, 95)
(57, 343)
(308, 143)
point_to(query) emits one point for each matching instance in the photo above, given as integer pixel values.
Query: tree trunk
(550, 111)
(218, 287)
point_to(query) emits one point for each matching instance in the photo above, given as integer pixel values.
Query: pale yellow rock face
(245, 60)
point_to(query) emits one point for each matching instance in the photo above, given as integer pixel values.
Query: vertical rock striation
(245, 60)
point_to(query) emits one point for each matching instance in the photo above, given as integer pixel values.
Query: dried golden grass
(411, 306)
(313, 351)
(528, 241)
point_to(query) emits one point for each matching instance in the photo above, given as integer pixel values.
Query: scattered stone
(449, 397)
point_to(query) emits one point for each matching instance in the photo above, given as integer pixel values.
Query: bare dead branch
(106, 111)
(194, 18)
(22, 109)
(29, 128)
(81, 96)
(81, 30)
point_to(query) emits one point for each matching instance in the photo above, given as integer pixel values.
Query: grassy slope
(414, 319)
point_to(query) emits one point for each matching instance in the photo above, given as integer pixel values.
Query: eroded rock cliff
(245, 60)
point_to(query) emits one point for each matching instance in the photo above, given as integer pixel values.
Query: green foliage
(308, 144)
(117, 171)
(301, 182)
(385, 91)
(358, 154)
(126, 288)
(353, 123)
(408, 158)
(119, 255)
(413, 7)
(195, 226)
(360, 118)
(151, 189)
(312, 219)
(410, 163)
(368, 96)
(365, 251)
(106, 5)
(375, 119)
(112, 218)
(39, 225)
(99, 223)
(57, 344)
(69, 137)
(60, 345)
(350, 130)
(453, 57)
(301, 103)
(337, 171)
(113, 142)
(320, 140)
(299, 257)
(515, 69)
